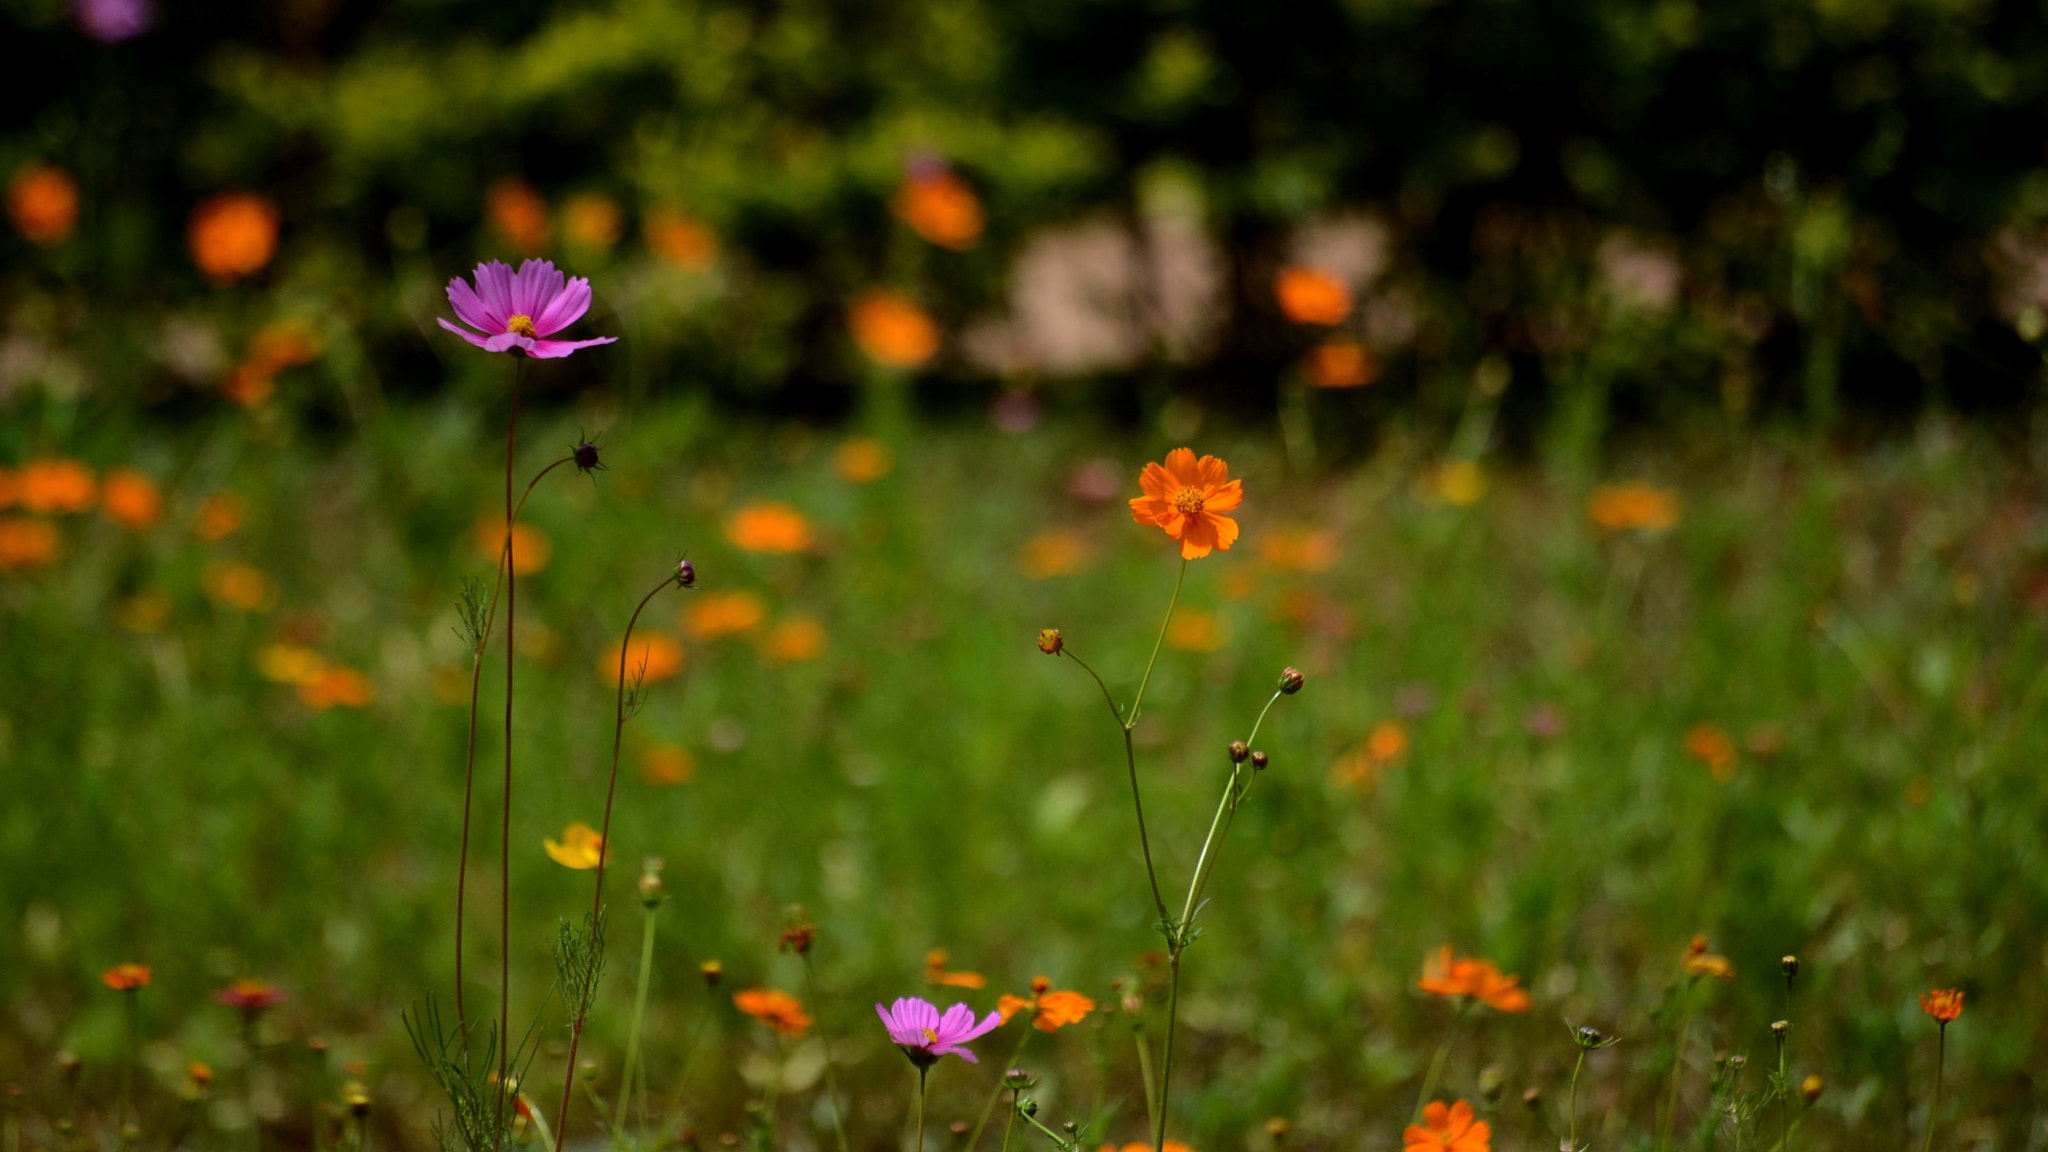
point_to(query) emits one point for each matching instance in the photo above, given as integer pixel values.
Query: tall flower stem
(604, 836)
(505, 816)
(132, 997)
(1131, 764)
(1940, 1057)
(988, 1110)
(249, 1081)
(1009, 1125)
(1436, 1063)
(1572, 1123)
(831, 1079)
(633, 1031)
(1670, 1116)
(922, 1069)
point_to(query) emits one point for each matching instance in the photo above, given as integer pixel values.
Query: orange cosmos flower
(219, 516)
(935, 973)
(26, 543)
(1053, 553)
(130, 499)
(592, 220)
(531, 548)
(42, 201)
(1942, 1004)
(1448, 1128)
(231, 235)
(1340, 364)
(769, 526)
(667, 764)
(778, 1010)
(940, 207)
(125, 977)
(250, 995)
(580, 847)
(54, 486)
(681, 241)
(1050, 1010)
(713, 614)
(794, 640)
(1186, 497)
(863, 460)
(1635, 506)
(1699, 962)
(1713, 747)
(1311, 295)
(654, 656)
(235, 585)
(517, 215)
(336, 687)
(1446, 974)
(892, 330)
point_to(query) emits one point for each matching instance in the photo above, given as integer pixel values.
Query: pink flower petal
(471, 309)
(564, 309)
(494, 285)
(556, 349)
(536, 284)
(466, 334)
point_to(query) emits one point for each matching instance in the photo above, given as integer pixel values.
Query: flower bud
(318, 1044)
(1239, 752)
(1812, 1087)
(1277, 1128)
(712, 971)
(585, 455)
(1017, 1079)
(1491, 1080)
(651, 893)
(1291, 680)
(67, 1064)
(1070, 1127)
(1028, 1107)
(1790, 966)
(1532, 1098)
(356, 1097)
(1738, 1062)
(686, 573)
(1258, 761)
(959, 1129)
(1779, 1028)
(1049, 641)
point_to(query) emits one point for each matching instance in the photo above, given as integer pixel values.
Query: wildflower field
(670, 575)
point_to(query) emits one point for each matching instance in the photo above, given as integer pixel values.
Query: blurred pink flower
(521, 309)
(112, 21)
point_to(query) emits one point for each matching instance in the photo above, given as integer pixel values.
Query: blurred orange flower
(667, 764)
(125, 977)
(1196, 630)
(713, 614)
(289, 663)
(940, 207)
(531, 548)
(1387, 741)
(769, 526)
(54, 486)
(580, 847)
(1300, 549)
(680, 240)
(892, 330)
(1448, 1128)
(130, 499)
(517, 215)
(935, 972)
(1168, 1146)
(145, 611)
(1053, 553)
(863, 460)
(592, 220)
(26, 543)
(219, 516)
(1186, 498)
(231, 235)
(336, 686)
(654, 656)
(1700, 962)
(1340, 364)
(250, 995)
(1050, 1010)
(795, 639)
(1311, 295)
(1447, 974)
(236, 585)
(778, 1010)
(1384, 746)
(278, 345)
(42, 201)
(1713, 747)
(1943, 1005)
(1634, 506)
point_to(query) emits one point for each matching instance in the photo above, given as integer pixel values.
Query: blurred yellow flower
(337, 686)
(1311, 295)
(709, 615)
(55, 486)
(531, 548)
(517, 215)
(580, 847)
(680, 240)
(130, 499)
(219, 516)
(892, 330)
(1053, 553)
(1459, 483)
(654, 656)
(233, 584)
(26, 543)
(769, 526)
(1299, 549)
(144, 612)
(231, 235)
(1700, 962)
(1196, 630)
(940, 207)
(289, 663)
(1340, 364)
(795, 639)
(42, 201)
(863, 460)
(664, 765)
(1634, 506)
(1713, 747)
(592, 220)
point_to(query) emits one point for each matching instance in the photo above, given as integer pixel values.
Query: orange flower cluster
(321, 684)
(654, 656)
(778, 1010)
(517, 215)
(892, 330)
(769, 526)
(50, 487)
(42, 203)
(1050, 1010)
(935, 973)
(940, 207)
(1311, 296)
(1635, 506)
(126, 977)
(1942, 1004)
(1700, 962)
(1186, 499)
(1448, 1128)
(1340, 364)
(1447, 974)
(279, 345)
(680, 240)
(1712, 746)
(26, 543)
(231, 235)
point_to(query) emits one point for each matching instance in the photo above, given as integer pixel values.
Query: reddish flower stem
(505, 817)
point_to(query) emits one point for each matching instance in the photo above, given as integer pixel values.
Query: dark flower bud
(1738, 1062)
(1259, 761)
(1790, 966)
(1028, 1107)
(356, 1097)
(1017, 1079)
(712, 971)
(1291, 680)
(1779, 1028)
(1239, 751)
(1049, 641)
(1070, 1127)
(585, 455)
(686, 573)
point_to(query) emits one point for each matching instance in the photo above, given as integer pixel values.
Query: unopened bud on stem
(1291, 680)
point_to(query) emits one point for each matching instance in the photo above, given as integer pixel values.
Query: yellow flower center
(930, 1037)
(522, 324)
(1187, 501)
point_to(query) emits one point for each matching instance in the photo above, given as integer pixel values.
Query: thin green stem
(1940, 1058)
(1572, 1124)
(1670, 1116)
(922, 1069)
(134, 1006)
(1009, 1125)
(633, 1030)
(1784, 1098)
(974, 1139)
(824, 1037)
(1132, 719)
(1166, 1051)
(1436, 1063)
(505, 819)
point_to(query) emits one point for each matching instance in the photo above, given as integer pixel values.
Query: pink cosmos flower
(521, 309)
(917, 1028)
